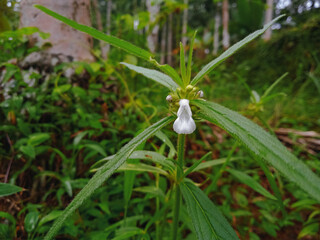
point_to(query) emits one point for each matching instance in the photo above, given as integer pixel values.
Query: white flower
(184, 124)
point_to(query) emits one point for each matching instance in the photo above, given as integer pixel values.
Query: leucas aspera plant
(187, 106)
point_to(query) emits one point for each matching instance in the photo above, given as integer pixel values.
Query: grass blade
(211, 65)
(104, 173)
(196, 164)
(266, 93)
(261, 144)
(251, 182)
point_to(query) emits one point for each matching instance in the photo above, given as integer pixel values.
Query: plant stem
(179, 174)
(157, 207)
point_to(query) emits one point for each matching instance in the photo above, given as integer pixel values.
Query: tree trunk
(169, 43)
(225, 23)
(68, 44)
(217, 22)
(268, 17)
(185, 23)
(152, 39)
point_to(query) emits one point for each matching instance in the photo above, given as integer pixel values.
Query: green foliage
(104, 173)
(207, 220)
(14, 44)
(8, 189)
(251, 182)
(262, 145)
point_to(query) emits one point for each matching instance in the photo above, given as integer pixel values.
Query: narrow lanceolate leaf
(9, 189)
(211, 65)
(154, 75)
(105, 172)
(140, 167)
(251, 182)
(261, 144)
(183, 65)
(142, 155)
(167, 69)
(207, 220)
(130, 48)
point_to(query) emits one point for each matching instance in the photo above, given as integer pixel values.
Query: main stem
(176, 207)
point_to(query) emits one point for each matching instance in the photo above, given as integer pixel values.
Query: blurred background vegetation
(66, 102)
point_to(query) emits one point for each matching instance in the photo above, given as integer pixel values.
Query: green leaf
(151, 190)
(5, 232)
(127, 46)
(8, 217)
(62, 89)
(261, 144)
(28, 150)
(183, 66)
(154, 75)
(67, 186)
(211, 65)
(167, 69)
(153, 157)
(30, 221)
(267, 92)
(38, 138)
(212, 163)
(125, 233)
(304, 204)
(140, 167)
(164, 138)
(105, 172)
(129, 177)
(251, 182)
(10, 71)
(142, 155)
(9, 189)
(50, 217)
(310, 229)
(196, 164)
(95, 147)
(207, 220)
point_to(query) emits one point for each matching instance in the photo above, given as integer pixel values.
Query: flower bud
(169, 98)
(189, 88)
(200, 94)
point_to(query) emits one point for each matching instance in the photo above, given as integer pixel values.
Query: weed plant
(175, 196)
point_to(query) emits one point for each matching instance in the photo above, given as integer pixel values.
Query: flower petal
(184, 124)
